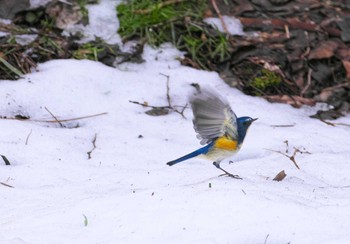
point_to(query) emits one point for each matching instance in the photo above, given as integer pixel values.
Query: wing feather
(212, 117)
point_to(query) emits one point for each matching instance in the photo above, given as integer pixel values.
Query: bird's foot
(232, 176)
(217, 165)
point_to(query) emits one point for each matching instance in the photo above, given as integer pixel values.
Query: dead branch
(333, 124)
(53, 121)
(162, 110)
(282, 125)
(59, 122)
(308, 84)
(217, 10)
(167, 89)
(291, 23)
(93, 146)
(292, 157)
(4, 184)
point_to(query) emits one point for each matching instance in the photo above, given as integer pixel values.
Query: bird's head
(243, 124)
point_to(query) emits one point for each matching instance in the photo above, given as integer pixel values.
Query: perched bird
(218, 127)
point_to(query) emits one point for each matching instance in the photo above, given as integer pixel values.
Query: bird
(217, 127)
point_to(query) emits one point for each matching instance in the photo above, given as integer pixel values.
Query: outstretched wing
(212, 117)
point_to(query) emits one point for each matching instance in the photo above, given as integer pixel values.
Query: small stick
(94, 146)
(54, 117)
(55, 121)
(28, 137)
(282, 125)
(66, 120)
(308, 84)
(7, 162)
(286, 29)
(292, 158)
(167, 89)
(333, 124)
(149, 106)
(213, 2)
(4, 184)
(266, 238)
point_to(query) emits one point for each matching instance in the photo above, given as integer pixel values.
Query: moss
(266, 79)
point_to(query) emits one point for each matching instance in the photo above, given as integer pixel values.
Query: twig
(55, 121)
(283, 125)
(286, 29)
(287, 146)
(54, 117)
(94, 146)
(308, 84)
(333, 124)
(266, 238)
(4, 184)
(170, 106)
(7, 162)
(217, 10)
(149, 106)
(167, 89)
(28, 137)
(292, 158)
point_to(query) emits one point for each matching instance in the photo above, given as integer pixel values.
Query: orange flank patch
(226, 144)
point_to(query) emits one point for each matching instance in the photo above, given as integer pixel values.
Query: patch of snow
(103, 23)
(234, 25)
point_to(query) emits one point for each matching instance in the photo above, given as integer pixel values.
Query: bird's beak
(254, 120)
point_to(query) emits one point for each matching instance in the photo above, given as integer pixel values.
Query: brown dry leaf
(346, 65)
(280, 176)
(325, 50)
(295, 101)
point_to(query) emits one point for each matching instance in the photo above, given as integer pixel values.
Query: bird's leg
(217, 165)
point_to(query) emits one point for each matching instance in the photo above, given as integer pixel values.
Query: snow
(127, 192)
(234, 25)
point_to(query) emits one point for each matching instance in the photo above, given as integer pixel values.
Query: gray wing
(212, 117)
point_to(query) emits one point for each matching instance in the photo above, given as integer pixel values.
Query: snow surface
(127, 192)
(234, 25)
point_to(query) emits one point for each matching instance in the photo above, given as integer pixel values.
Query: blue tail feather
(202, 150)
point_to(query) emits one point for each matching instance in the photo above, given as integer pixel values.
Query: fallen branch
(28, 137)
(292, 157)
(283, 125)
(4, 184)
(162, 110)
(53, 121)
(62, 126)
(94, 146)
(291, 23)
(333, 124)
(217, 10)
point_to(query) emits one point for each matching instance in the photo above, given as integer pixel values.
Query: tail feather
(202, 150)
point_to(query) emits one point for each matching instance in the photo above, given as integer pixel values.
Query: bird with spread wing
(218, 127)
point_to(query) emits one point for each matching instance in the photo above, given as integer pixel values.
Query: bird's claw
(232, 176)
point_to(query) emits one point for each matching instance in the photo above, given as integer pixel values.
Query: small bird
(218, 127)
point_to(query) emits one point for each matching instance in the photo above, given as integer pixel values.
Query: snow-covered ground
(126, 191)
